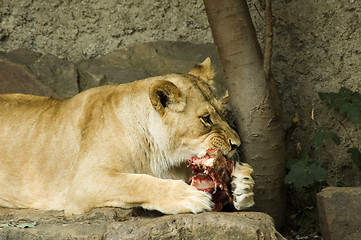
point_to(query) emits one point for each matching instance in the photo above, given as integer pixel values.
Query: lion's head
(191, 116)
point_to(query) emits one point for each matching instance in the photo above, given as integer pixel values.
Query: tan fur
(119, 145)
(242, 186)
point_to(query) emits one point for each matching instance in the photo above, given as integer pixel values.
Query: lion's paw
(180, 197)
(242, 186)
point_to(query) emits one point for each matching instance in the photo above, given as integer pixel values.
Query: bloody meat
(212, 174)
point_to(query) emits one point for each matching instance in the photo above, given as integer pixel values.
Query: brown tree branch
(254, 100)
(267, 56)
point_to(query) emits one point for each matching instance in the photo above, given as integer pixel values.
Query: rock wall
(316, 48)
(84, 29)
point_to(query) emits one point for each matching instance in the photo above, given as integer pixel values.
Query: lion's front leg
(242, 186)
(104, 189)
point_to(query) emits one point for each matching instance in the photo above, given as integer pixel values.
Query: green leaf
(298, 175)
(327, 98)
(322, 134)
(356, 99)
(317, 172)
(332, 100)
(290, 162)
(355, 156)
(345, 101)
(352, 111)
(305, 172)
(345, 93)
(318, 139)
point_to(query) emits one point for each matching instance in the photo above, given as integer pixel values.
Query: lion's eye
(207, 120)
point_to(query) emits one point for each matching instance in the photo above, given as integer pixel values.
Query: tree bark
(254, 101)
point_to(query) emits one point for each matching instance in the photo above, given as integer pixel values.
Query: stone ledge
(116, 223)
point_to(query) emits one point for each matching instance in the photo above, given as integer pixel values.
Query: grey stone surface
(60, 75)
(17, 78)
(145, 60)
(339, 212)
(66, 78)
(116, 223)
(245, 226)
(37, 71)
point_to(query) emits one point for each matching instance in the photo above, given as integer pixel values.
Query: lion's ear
(165, 95)
(204, 71)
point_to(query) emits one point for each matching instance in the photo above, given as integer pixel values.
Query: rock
(38, 74)
(54, 225)
(22, 56)
(17, 78)
(60, 75)
(242, 225)
(66, 79)
(116, 223)
(146, 60)
(89, 79)
(96, 72)
(339, 211)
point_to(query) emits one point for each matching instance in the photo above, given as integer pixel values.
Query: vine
(307, 171)
(306, 175)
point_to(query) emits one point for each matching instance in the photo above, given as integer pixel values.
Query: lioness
(121, 145)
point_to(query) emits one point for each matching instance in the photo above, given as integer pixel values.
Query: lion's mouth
(212, 174)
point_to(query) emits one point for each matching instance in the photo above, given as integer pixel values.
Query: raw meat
(213, 175)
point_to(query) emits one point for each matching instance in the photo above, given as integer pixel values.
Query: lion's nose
(233, 146)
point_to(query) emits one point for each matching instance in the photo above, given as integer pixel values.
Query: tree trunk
(254, 100)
